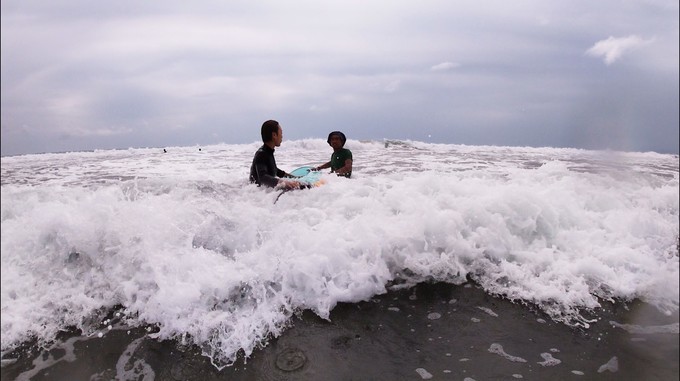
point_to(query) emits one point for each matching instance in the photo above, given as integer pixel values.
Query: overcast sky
(82, 75)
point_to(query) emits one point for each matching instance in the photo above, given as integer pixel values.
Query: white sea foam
(489, 311)
(648, 330)
(184, 243)
(498, 349)
(612, 366)
(549, 360)
(423, 373)
(48, 359)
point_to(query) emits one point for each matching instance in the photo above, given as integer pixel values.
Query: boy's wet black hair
(340, 134)
(268, 128)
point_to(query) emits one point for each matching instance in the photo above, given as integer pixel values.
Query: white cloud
(613, 48)
(444, 66)
(393, 86)
(317, 108)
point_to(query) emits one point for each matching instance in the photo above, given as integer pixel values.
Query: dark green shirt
(338, 159)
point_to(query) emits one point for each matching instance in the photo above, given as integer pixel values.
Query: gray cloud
(78, 75)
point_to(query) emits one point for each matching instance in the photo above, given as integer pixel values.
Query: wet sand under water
(433, 331)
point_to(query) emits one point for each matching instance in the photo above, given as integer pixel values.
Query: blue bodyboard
(306, 175)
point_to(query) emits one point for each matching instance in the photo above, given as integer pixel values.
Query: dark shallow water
(433, 331)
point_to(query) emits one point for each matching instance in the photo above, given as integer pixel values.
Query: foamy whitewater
(181, 242)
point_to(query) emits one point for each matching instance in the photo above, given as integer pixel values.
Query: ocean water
(181, 242)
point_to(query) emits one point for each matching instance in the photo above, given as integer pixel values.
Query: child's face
(336, 142)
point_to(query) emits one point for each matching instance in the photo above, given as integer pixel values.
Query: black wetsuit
(263, 171)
